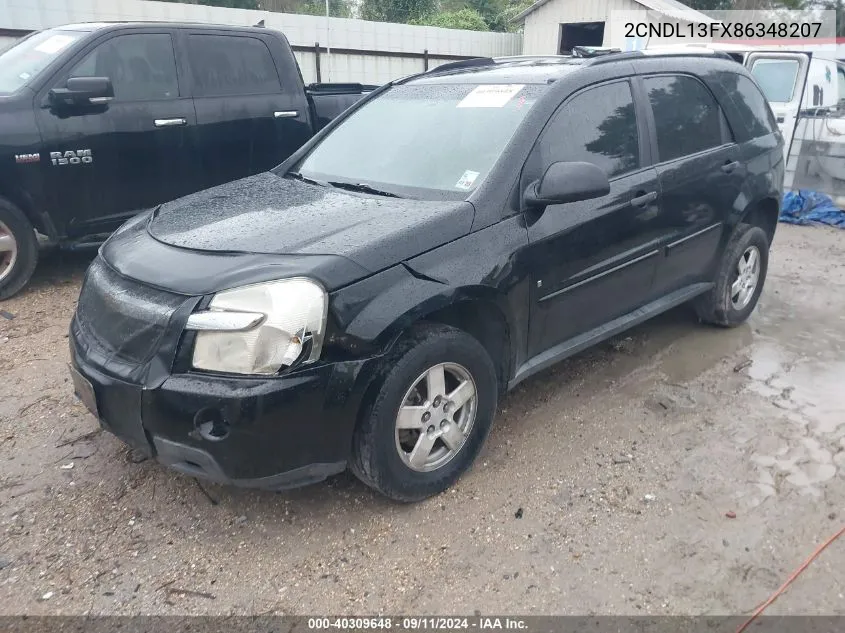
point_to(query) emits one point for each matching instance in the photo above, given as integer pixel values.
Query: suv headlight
(262, 328)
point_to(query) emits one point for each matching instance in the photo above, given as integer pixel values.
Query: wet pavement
(676, 469)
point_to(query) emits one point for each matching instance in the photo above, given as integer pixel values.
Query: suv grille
(123, 318)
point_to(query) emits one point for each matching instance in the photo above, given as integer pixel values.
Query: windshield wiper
(363, 188)
(310, 181)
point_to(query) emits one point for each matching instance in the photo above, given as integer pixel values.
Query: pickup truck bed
(330, 99)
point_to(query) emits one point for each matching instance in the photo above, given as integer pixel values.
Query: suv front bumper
(269, 432)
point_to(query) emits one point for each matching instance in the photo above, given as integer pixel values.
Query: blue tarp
(811, 207)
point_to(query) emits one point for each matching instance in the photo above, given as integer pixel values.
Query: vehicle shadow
(583, 376)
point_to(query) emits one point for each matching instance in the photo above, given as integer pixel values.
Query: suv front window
(418, 138)
(24, 61)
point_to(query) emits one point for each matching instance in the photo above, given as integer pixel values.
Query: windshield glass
(22, 63)
(776, 78)
(414, 138)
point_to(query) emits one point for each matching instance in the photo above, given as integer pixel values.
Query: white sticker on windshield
(54, 44)
(467, 180)
(490, 96)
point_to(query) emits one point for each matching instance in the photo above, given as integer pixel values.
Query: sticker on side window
(490, 96)
(54, 44)
(467, 180)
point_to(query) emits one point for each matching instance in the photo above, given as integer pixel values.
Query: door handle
(730, 166)
(644, 199)
(780, 119)
(286, 114)
(169, 122)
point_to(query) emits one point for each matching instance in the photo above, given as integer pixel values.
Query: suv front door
(593, 261)
(111, 160)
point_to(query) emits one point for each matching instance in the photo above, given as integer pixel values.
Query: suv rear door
(701, 173)
(251, 111)
(111, 160)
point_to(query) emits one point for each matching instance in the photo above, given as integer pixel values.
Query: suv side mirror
(567, 182)
(83, 91)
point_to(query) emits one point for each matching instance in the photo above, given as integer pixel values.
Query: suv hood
(274, 215)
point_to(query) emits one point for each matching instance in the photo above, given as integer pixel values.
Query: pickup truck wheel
(18, 250)
(430, 417)
(739, 281)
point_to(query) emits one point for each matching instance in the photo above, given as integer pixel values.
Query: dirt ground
(678, 469)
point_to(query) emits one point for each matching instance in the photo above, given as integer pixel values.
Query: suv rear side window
(231, 65)
(686, 116)
(752, 106)
(142, 66)
(597, 126)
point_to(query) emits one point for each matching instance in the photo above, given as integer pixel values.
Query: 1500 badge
(71, 157)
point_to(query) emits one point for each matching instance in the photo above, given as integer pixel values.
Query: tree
(337, 8)
(839, 7)
(744, 5)
(403, 11)
(466, 19)
(709, 5)
(232, 4)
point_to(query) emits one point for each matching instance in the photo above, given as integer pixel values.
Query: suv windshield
(414, 139)
(22, 63)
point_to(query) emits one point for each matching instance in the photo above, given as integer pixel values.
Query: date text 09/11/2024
(417, 623)
(770, 30)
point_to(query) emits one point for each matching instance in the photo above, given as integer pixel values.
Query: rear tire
(18, 250)
(739, 280)
(430, 417)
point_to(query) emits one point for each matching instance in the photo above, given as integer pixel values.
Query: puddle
(813, 388)
(807, 447)
(684, 362)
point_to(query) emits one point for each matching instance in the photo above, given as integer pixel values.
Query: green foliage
(709, 5)
(403, 11)
(496, 13)
(232, 4)
(839, 7)
(466, 19)
(337, 8)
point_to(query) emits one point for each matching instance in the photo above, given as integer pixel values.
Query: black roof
(100, 26)
(542, 68)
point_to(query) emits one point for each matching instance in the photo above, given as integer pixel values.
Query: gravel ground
(678, 469)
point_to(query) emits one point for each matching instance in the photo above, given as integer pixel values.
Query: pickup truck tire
(18, 249)
(739, 280)
(430, 417)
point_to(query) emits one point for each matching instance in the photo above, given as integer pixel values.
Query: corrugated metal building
(369, 52)
(553, 27)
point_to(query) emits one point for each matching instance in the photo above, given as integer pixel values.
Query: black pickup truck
(101, 121)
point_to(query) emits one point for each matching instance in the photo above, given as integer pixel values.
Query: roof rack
(593, 51)
(661, 52)
(474, 62)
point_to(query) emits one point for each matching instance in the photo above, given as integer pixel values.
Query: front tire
(739, 281)
(18, 250)
(430, 417)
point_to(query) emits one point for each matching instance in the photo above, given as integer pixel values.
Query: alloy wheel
(436, 416)
(748, 276)
(8, 251)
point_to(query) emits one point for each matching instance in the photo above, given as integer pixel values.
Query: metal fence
(360, 51)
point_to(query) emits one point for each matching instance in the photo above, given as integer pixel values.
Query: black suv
(366, 303)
